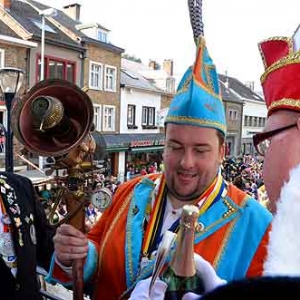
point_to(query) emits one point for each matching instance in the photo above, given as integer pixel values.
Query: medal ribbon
(157, 214)
(153, 235)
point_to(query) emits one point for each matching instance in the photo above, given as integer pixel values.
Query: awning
(126, 141)
(35, 176)
(147, 149)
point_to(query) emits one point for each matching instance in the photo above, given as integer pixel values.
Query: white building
(254, 120)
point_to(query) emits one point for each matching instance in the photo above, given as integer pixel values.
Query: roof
(89, 25)
(228, 95)
(241, 90)
(25, 15)
(72, 24)
(5, 30)
(133, 79)
(134, 66)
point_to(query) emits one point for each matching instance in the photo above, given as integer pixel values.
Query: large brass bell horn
(55, 119)
(52, 118)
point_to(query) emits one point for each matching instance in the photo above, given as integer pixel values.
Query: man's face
(192, 156)
(282, 155)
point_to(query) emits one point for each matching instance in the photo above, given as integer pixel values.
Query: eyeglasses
(262, 141)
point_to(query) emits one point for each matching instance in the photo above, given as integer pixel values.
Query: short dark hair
(220, 135)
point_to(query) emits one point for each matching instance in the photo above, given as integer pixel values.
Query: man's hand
(141, 290)
(70, 244)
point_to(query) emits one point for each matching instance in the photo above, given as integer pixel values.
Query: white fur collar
(284, 245)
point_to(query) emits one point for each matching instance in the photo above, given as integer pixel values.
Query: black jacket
(32, 238)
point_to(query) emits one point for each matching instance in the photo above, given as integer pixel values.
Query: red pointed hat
(281, 79)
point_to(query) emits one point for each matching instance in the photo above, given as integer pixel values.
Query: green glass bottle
(180, 275)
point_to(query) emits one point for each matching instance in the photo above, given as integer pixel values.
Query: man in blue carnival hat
(233, 228)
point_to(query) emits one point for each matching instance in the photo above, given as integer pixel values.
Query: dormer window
(94, 31)
(102, 36)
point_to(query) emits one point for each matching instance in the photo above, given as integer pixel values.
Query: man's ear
(222, 153)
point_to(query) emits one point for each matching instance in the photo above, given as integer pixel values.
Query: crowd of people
(245, 172)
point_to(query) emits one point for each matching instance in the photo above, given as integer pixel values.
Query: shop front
(145, 155)
(123, 153)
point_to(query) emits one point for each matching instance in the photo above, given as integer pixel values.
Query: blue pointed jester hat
(198, 98)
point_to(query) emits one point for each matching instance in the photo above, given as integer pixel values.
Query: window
(170, 85)
(97, 117)
(110, 78)
(233, 114)
(250, 121)
(262, 122)
(1, 58)
(70, 72)
(131, 115)
(102, 36)
(245, 120)
(96, 70)
(255, 121)
(57, 68)
(109, 118)
(148, 116)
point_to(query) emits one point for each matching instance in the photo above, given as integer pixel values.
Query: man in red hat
(280, 146)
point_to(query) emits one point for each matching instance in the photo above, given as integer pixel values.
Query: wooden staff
(78, 221)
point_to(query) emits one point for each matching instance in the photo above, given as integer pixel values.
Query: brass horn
(52, 118)
(55, 119)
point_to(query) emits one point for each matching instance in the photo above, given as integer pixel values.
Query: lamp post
(49, 12)
(11, 80)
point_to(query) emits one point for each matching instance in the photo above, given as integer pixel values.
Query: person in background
(143, 171)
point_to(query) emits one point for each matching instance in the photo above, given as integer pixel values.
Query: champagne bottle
(180, 275)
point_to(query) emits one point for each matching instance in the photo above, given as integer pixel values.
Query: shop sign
(147, 143)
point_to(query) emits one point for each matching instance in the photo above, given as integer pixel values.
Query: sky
(160, 29)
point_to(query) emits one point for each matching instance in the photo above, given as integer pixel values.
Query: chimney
(250, 85)
(72, 10)
(168, 66)
(6, 4)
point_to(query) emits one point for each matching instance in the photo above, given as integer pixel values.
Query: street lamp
(11, 80)
(49, 12)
